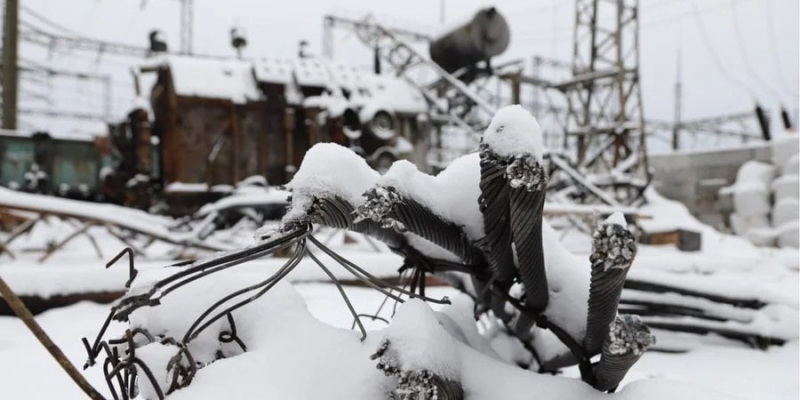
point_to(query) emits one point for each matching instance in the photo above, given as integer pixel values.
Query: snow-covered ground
(28, 372)
(314, 359)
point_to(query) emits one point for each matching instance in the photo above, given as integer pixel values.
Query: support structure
(605, 121)
(187, 22)
(10, 76)
(51, 40)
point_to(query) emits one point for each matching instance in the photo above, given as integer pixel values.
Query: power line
(717, 61)
(40, 37)
(743, 54)
(684, 15)
(775, 53)
(48, 21)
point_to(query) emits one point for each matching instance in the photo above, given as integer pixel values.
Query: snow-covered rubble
(766, 206)
(293, 355)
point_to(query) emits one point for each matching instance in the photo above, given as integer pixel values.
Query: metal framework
(605, 121)
(187, 22)
(742, 127)
(51, 40)
(103, 79)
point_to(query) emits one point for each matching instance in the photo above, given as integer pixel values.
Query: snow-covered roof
(212, 78)
(308, 71)
(238, 80)
(393, 93)
(366, 88)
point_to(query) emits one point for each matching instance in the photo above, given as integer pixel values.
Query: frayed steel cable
(497, 242)
(371, 280)
(628, 338)
(200, 269)
(414, 384)
(337, 213)
(386, 206)
(528, 181)
(613, 250)
(264, 287)
(342, 293)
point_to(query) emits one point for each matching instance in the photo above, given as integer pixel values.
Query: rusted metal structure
(216, 122)
(605, 121)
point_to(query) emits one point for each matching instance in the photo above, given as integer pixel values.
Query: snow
(335, 105)
(418, 341)
(792, 165)
(753, 196)
(178, 187)
(514, 131)
(303, 358)
(298, 336)
(617, 218)
(452, 194)
(751, 192)
(765, 237)
(297, 354)
(755, 172)
(329, 169)
(429, 248)
(122, 216)
(156, 356)
(568, 278)
(213, 78)
(247, 199)
(743, 224)
(386, 92)
(786, 210)
(368, 92)
(786, 186)
(789, 234)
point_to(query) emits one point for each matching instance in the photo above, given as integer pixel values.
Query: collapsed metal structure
(604, 121)
(513, 191)
(513, 290)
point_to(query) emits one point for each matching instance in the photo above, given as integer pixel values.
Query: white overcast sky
(767, 68)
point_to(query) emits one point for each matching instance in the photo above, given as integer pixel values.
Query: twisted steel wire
(613, 250)
(628, 338)
(496, 244)
(527, 206)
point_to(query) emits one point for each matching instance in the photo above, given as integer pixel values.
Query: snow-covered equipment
(238, 40)
(564, 310)
(484, 36)
(158, 42)
(448, 225)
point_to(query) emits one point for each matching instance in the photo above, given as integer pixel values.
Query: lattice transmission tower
(605, 120)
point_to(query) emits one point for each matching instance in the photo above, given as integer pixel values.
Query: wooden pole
(27, 318)
(10, 78)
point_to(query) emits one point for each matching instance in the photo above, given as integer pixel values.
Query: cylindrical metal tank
(485, 35)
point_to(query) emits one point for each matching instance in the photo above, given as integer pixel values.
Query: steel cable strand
(414, 384)
(528, 181)
(577, 351)
(613, 251)
(371, 280)
(339, 287)
(337, 213)
(496, 244)
(385, 205)
(628, 338)
(203, 268)
(264, 287)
